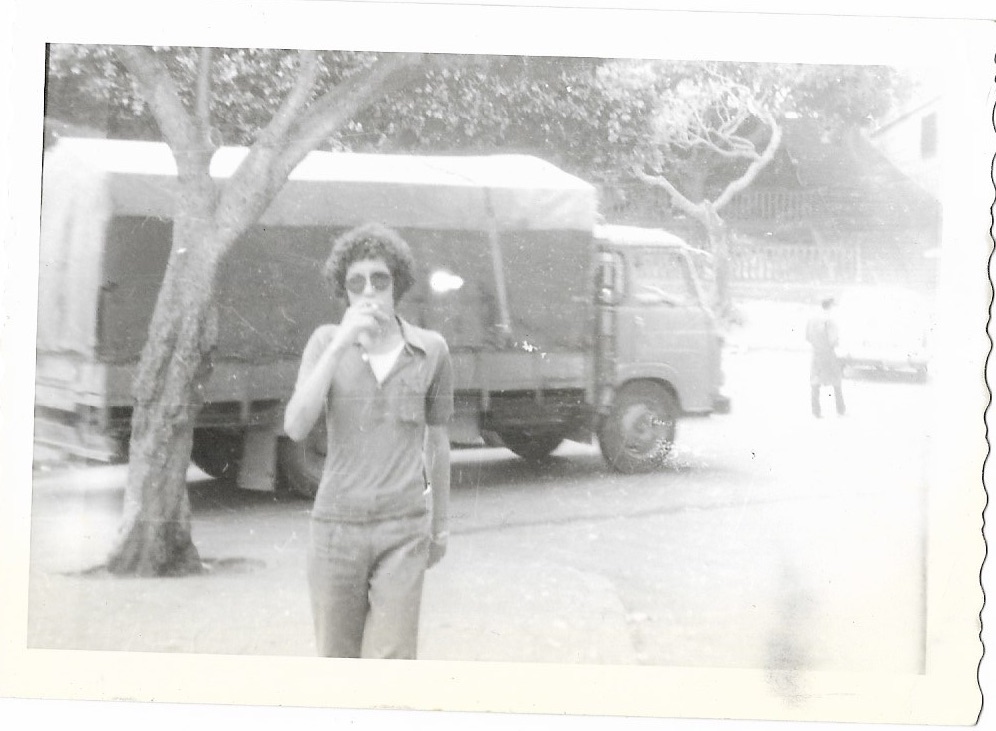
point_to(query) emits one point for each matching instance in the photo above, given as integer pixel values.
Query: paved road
(772, 540)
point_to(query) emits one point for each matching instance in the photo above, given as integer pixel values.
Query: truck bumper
(721, 404)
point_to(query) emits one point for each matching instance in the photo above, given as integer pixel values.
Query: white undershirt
(382, 363)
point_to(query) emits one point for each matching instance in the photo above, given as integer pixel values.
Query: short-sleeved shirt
(374, 466)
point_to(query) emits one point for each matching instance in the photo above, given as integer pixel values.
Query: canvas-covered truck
(559, 327)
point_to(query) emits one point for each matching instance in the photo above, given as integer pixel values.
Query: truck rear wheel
(639, 432)
(531, 446)
(300, 464)
(218, 452)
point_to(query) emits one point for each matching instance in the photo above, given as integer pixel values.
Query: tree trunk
(719, 243)
(155, 534)
(155, 537)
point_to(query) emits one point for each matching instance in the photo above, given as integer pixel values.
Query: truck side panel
(271, 295)
(271, 292)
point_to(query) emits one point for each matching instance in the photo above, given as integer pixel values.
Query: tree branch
(273, 136)
(163, 98)
(203, 104)
(742, 146)
(693, 209)
(725, 80)
(265, 170)
(341, 103)
(697, 116)
(738, 152)
(755, 167)
(251, 187)
(733, 124)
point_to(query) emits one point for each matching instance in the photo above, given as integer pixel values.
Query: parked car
(886, 328)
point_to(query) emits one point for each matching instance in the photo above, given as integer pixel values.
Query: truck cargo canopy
(106, 233)
(346, 189)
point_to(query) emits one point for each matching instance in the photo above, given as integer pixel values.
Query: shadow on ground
(474, 468)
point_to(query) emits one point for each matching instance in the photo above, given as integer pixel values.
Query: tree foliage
(713, 121)
(247, 86)
(595, 117)
(558, 108)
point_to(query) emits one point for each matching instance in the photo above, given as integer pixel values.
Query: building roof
(855, 185)
(915, 107)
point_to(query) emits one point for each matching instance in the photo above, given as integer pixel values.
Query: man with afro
(385, 390)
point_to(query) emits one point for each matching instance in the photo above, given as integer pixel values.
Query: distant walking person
(385, 390)
(825, 369)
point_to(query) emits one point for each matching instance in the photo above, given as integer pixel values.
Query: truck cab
(659, 345)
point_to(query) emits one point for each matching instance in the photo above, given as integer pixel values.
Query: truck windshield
(663, 277)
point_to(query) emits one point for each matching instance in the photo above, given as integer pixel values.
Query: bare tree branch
(693, 209)
(250, 189)
(742, 146)
(697, 116)
(341, 103)
(162, 96)
(264, 171)
(755, 167)
(713, 147)
(275, 133)
(203, 104)
(726, 80)
(738, 147)
(733, 124)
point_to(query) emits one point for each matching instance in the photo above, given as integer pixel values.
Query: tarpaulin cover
(76, 206)
(106, 233)
(406, 191)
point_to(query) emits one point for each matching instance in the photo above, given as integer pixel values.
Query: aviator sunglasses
(380, 281)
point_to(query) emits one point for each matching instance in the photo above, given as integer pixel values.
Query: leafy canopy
(596, 117)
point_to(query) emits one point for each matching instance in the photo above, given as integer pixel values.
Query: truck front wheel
(300, 464)
(531, 446)
(639, 431)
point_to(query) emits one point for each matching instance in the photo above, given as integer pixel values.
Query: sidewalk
(495, 597)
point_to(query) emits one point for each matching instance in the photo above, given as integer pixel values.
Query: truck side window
(662, 277)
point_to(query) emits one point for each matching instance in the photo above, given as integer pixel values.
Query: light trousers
(366, 582)
(838, 395)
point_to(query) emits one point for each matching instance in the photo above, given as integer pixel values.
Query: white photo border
(947, 694)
